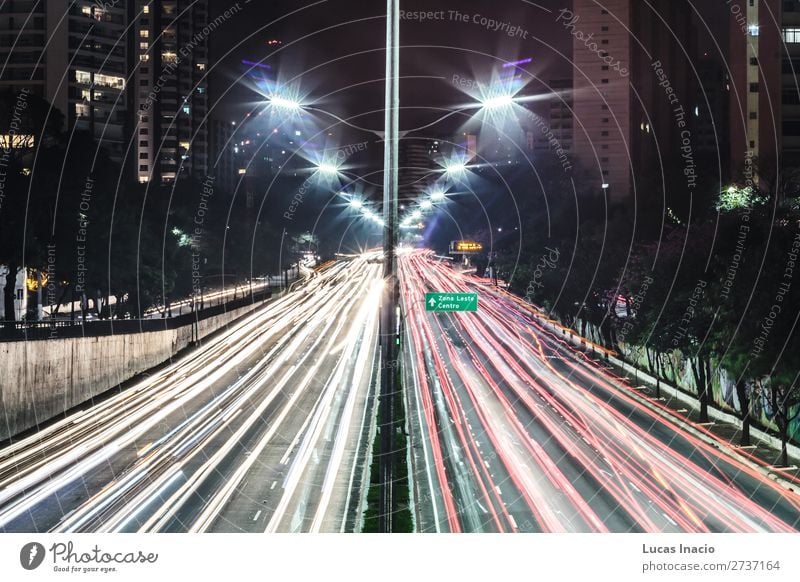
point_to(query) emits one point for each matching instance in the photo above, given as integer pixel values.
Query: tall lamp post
(391, 291)
(389, 316)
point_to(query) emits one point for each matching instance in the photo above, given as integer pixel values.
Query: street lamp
(455, 168)
(497, 102)
(284, 103)
(391, 290)
(328, 169)
(389, 328)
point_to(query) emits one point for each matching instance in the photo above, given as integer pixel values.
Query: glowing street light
(284, 103)
(437, 196)
(426, 204)
(328, 169)
(357, 204)
(498, 102)
(455, 168)
(416, 215)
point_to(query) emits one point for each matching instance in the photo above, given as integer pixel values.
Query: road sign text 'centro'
(451, 302)
(465, 247)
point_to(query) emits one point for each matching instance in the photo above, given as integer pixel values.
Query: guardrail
(64, 329)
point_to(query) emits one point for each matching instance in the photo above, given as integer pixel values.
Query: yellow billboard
(465, 247)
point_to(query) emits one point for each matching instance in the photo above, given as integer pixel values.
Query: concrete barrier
(40, 380)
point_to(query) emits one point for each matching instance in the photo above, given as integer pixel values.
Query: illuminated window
(791, 35)
(144, 33)
(184, 145)
(146, 10)
(752, 30)
(144, 57)
(83, 77)
(201, 66)
(82, 110)
(110, 81)
(169, 57)
(87, 10)
(15, 141)
(144, 46)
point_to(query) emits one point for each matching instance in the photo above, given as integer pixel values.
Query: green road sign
(451, 302)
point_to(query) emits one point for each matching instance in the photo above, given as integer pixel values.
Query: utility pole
(391, 291)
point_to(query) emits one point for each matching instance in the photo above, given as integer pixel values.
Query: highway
(264, 428)
(267, 427)
(514, 430)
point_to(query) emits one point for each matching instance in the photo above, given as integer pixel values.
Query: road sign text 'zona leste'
(451, 302)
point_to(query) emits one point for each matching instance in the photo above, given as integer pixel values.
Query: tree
(28, 203)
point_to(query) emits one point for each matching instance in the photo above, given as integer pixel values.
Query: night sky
(334, 51)
(335, 47)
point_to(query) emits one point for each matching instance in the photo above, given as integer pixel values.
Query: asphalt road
(512, 429)
(264, 428)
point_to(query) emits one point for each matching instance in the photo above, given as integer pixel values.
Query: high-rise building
(602, 93)
(549, 129)
(74, 55)
(222, 154)
(764, 109)
(788, 46)
(711, 113)
(633, 90)
(172, 133)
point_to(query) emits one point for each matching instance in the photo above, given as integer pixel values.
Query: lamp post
(389, 315)
(391, 290)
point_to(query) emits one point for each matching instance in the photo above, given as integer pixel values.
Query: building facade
(171, 84)
(633, 84)
(77, 58)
